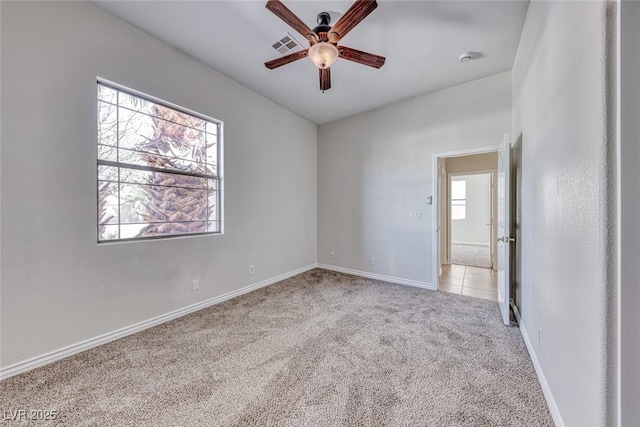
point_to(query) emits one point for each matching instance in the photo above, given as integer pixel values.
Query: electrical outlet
(372, 261)
(333, 255)
(540, 336)
(415, 214)
(195, 284)
(251, 270)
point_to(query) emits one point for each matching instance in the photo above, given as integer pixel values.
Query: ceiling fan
(323, 40)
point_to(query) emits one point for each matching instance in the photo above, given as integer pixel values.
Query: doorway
(466, 226)
(471, 218)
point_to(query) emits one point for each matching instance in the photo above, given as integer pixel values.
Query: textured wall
(374, 168)
(559, 109)
(58, 286)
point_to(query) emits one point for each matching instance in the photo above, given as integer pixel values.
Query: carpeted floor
(471, 255)
(319, 349)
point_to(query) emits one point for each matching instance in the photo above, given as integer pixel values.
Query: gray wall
(374, 168)
(58, 286)
(559, 92)
(630, 212)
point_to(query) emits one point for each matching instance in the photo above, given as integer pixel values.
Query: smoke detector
(466, 57)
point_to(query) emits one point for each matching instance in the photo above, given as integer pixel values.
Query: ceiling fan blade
(325, 79)
(361, 57)
(352, 17)
(286, 59)
(282, 12)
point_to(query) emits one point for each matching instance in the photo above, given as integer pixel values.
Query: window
(158, 168)
(458, 199)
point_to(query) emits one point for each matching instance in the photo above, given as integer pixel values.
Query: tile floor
(470, 281)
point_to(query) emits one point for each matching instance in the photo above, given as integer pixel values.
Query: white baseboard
(53, 356)
(374, 276)
(548, 395)
(471, 243)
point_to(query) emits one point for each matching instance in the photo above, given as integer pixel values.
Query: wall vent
(286, 44)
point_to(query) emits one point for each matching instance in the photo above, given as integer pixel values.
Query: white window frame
(219, 177)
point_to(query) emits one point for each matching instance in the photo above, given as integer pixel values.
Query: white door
(504, 227)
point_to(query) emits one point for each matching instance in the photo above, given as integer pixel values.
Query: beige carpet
(471, 255)
(319, 349)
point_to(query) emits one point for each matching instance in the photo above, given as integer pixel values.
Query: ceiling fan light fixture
(323, 54)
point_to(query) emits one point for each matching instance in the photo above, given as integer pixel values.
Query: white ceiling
(421, 40)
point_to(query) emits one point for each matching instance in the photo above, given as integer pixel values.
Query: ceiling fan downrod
(322, 30)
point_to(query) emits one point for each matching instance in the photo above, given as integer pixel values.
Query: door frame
(435, 233)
